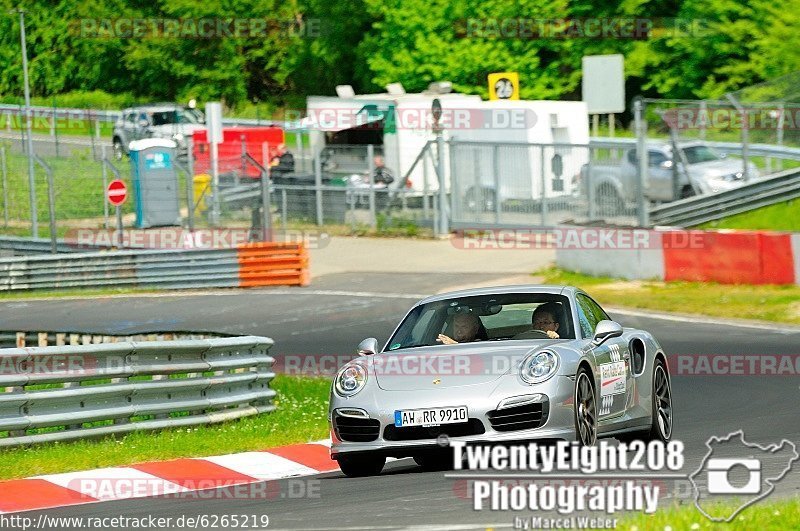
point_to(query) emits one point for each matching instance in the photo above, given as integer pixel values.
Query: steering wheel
(532, 334)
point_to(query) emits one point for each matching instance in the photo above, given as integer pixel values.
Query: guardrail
(56, 338)
(132, 386)
(23, 246)
(754, 150)
(692, 211)
(113, 115)
(249, 265)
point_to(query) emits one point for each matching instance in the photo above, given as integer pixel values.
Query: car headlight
(538, 367)
(731, 177)
(350, 380)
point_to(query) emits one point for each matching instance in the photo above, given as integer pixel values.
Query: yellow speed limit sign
(504, 86)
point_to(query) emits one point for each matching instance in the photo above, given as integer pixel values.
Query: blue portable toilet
(155, 182)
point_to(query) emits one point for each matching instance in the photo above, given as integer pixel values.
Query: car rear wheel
(118, 149)
(661, 410)
(361, 466)
(585, 409)
(608, 201)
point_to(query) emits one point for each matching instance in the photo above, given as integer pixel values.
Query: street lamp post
(28, 121)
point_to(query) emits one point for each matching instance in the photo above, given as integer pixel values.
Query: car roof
(155, 107)
(668, 145)
(551, 289)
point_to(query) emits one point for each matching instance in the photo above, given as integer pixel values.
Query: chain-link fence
(747, 117)
(78, 185)
(338, 191)
(485, 184)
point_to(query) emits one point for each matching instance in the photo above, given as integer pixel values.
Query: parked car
(160, 120)
(700, 170)
(585, 378)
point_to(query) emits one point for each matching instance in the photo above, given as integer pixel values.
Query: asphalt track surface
(325, 319)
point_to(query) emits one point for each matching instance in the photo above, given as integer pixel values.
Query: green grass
(78, 183)
(79, 193)
(780, 217)
(83, 293)
(301, 416)
(775, 515)
(769, 303)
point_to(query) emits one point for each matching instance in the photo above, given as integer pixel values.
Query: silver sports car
(513, 363)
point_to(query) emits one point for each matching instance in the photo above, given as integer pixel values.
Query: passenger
(466, 327)
(545, 318)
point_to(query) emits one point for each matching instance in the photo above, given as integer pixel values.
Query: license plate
(433, 416)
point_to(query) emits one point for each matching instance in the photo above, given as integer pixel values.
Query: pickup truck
(700, 170)
(160, 120)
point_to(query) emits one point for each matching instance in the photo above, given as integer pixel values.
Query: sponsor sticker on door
(612, 378)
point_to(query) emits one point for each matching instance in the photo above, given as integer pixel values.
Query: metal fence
(540, 185)
(72, 392)
(486, 184)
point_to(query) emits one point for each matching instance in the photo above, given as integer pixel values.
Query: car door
(612, 359)
(128, 128)
(659, 177)
(142, 125)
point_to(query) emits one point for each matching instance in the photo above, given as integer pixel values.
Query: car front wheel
(359, 466)
(585, 409)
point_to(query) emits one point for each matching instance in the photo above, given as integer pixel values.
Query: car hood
(444, 366)
(716, 168)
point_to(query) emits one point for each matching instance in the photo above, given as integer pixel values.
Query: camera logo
(735, 467)
(720, 469)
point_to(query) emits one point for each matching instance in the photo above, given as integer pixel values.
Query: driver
(465, 329)
(545, 319)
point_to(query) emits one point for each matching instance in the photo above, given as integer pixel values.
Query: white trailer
(401, 124)
(498, 163)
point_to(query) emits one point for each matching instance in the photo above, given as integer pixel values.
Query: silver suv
(159, 120)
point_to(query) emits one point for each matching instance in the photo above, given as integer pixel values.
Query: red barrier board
(230, 150)
(729, 257)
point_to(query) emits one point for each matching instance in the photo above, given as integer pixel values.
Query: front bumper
(481, 400)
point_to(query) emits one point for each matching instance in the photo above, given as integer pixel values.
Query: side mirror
(144, 123)
(606, 330)
(368, 347)
(667, 164)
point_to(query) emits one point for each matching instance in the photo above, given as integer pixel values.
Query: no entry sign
(116, 192)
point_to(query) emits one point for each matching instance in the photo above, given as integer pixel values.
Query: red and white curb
(177, 477)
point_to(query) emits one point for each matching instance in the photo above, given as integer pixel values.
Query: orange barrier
(728, 257)
(273, 264)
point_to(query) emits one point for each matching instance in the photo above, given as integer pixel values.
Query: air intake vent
(516, 418)
(355, 429)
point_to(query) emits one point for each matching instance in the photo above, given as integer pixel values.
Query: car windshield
(177, 116)
(485, 318)
(698, 154)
